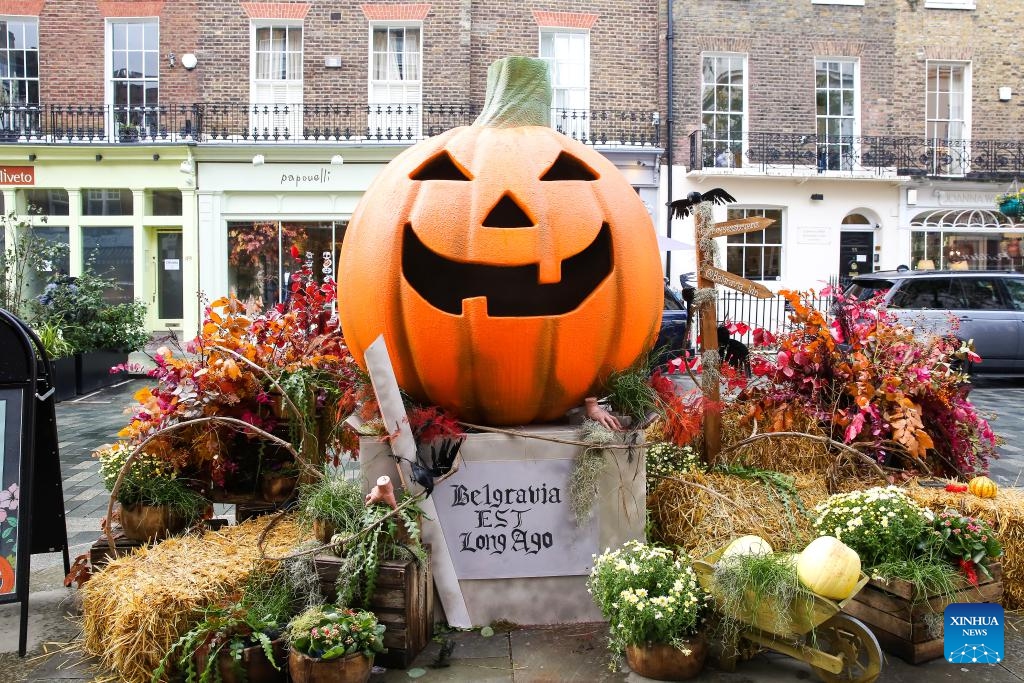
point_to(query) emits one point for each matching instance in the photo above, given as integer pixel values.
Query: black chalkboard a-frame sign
(31, 492)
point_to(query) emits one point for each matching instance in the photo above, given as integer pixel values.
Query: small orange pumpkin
(509, 268)
(983, 487)
(7, 583)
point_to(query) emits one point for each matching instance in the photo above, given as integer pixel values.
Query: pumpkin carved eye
(568, 167)
(440, 167)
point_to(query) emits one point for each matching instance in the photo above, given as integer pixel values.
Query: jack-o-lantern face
(509, 269)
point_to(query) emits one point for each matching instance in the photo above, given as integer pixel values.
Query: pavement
(575, 652)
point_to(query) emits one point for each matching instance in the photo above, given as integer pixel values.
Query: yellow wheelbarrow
(812, 629)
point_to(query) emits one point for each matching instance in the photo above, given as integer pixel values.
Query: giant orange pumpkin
(509, 268)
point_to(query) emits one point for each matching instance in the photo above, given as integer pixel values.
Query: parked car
(674, 335)
(988, 304)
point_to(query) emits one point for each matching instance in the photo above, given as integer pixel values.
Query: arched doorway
(856, 247)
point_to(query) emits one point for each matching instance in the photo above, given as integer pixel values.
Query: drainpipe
(669, 37)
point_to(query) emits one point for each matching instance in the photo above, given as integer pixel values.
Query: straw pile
(139, 605)
(702, 512)
(1004, 513)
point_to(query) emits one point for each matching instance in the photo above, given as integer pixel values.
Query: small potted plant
(155, 501)
(62, 360)
(332, 504)
(333, 644)
(654, 607)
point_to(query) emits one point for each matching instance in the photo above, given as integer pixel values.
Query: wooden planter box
(898, 620)
(403, 602)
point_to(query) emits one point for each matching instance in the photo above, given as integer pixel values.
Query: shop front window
(109, 253)
(260, 261)
(47, 202)
(967, 250)
(106, 202)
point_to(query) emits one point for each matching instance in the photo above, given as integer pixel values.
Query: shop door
(170, 290)
(856, 255)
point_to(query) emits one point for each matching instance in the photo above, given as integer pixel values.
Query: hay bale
(140, 604)
(701, 512)
(1004, 513)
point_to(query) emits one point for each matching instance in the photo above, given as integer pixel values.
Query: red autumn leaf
(295, 253)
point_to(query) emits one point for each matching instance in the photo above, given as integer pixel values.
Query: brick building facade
(876, 134)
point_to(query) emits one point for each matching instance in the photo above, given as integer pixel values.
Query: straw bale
(139, 605)
(701, 512)
(1004, 513)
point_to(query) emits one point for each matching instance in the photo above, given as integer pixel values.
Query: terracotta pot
(352, 669)
(663, 662)
(255, 667)
(150, 522)
(277, 488)
(323, 530)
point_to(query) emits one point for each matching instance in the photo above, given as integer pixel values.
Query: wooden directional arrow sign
(738, 226)
(727, 279)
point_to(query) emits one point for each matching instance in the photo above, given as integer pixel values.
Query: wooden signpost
(708, 275)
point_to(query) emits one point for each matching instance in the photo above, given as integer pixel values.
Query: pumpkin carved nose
(507, 214)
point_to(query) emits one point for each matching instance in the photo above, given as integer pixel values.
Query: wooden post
(709, 342)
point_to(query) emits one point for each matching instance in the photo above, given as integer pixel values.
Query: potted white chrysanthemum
(654, 607)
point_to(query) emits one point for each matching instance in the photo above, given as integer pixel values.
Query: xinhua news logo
(973, 633)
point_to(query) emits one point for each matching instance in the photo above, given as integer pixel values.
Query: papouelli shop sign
(17, 175)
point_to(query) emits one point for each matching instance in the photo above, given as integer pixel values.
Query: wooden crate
(403, 601)
(890, 610)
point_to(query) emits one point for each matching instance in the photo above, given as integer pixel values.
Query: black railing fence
(768, 314)
(295, 123)
(860, 155)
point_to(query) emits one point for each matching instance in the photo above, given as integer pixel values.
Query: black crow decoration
(442, 459)
(680, 208)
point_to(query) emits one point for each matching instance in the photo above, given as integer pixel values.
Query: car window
(982, 294)
(1015, 288)
(929, 293)
(862, 290)
(672, 304)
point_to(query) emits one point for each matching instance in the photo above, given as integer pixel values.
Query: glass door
(170, 289)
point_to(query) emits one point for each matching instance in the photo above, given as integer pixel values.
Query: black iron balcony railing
(884, 156)
(283, 123)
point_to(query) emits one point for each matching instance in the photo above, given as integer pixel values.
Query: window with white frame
(276, 71)
(134, 78)
(396, 80)
(835, 91)
(723, 108)
(756, 255)
(568, 56)
(19, 73)
(947, 110)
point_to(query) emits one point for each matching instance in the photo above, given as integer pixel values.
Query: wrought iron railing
(770, 314)
(862, 154)
(290, 123)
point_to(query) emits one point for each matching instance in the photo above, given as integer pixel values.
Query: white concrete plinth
(504, 541)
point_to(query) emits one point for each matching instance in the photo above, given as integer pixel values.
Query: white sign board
(506, 519)
(813, 235)
(172, 264)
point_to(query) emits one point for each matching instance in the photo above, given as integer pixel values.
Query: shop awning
(964, 219)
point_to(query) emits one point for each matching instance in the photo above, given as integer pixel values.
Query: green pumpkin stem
(518, 94)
